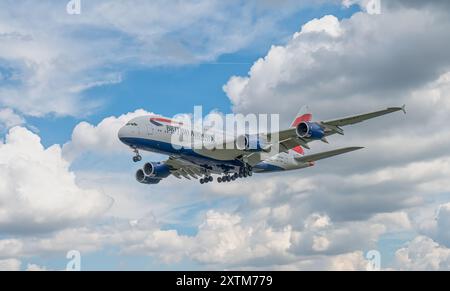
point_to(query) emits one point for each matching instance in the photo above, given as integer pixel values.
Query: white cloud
(330, 64)
(223, 239)
(10, 265)
(316, 221)
(10, 248)
(436, 223)
(353, 261)
(327, 24)
(49, 58)
(320, 236)
(37, 190)
(101, 138)
(362, 63)
(8, 119)
(443, 224)
(422, 253)
(395, 221)
(321, 218)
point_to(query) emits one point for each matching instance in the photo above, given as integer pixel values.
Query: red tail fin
(303, 115)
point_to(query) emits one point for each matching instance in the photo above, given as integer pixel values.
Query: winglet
(404, 108)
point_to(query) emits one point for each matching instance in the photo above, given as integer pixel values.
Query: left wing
(288, 138)
(362, 117)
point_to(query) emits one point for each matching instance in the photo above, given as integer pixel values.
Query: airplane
(155, 134)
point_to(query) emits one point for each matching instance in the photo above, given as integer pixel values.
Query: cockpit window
(131, 124)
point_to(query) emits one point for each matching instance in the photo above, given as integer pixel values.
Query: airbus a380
(155, 134)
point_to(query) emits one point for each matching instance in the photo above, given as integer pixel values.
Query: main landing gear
(137, 157)
(244, 172)
(207, 179)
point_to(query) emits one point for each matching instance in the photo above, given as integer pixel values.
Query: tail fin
(303, 115)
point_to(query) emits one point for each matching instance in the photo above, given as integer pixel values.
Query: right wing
(325, 155)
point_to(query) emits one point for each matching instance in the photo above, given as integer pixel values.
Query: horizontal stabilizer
(324, 155)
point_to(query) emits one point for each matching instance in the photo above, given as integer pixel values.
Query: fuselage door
(150, 130)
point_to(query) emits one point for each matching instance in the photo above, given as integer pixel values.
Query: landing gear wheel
(137, 158)
(219, 180)
(211, 179)
(202, 181)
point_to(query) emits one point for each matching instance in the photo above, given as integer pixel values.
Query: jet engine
(251, 143)
(310, 130)
(152, 173)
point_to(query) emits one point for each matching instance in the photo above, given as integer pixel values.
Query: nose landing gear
(137, 157)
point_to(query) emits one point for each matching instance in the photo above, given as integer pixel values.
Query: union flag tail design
(303, 115)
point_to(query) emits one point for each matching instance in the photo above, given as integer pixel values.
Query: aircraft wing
(288, 138)
(334, 124)
(325, 155)
(182, 168)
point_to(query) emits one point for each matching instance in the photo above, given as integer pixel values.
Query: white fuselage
(169, 137)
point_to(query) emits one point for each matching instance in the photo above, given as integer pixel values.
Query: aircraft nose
(122, 134)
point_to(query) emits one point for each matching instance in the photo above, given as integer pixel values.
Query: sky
(68, 82)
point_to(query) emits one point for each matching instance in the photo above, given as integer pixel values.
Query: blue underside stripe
(266, 167)
(168, 149)
(189, 154)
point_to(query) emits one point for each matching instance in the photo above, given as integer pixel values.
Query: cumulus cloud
(100, 138)
(322, 218)
(436, 223)
(332, 63)
(10, 248)
(325, 218)
(8, 119)
(37, 191)
(422, 253)
(49, 58)
(342, 67)
(223, 240)
(321, 236)
(443, 224)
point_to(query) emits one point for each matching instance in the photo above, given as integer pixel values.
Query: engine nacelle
(251, 143)
(156, 170)
(152, 173)
(310, 130)
(142, 178)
